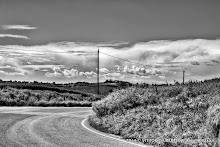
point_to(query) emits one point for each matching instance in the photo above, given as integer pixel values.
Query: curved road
(52, 127)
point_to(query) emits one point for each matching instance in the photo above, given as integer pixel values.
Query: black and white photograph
(109, 73)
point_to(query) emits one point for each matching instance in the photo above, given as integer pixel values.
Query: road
(52, 127)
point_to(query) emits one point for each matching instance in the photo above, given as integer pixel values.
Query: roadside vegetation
(188, 113)
(26, 97)
(75, 88)
(17, 93)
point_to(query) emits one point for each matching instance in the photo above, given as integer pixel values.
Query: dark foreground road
(51, 127)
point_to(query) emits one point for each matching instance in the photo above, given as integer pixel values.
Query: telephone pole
(183, 76)
(98, 75)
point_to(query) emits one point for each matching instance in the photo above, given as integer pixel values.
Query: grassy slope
(177, 112)
(24, 97)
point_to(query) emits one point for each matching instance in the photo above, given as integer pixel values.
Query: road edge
(105, 135)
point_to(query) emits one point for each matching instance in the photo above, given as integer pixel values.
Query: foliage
(24, 97)
(83, 88)
(190, 111)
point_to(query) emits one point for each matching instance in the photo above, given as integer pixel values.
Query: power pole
(183, 76)
(98, 74)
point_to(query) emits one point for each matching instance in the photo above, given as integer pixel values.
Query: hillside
(75, 88)
(187, 113)
(16, 93)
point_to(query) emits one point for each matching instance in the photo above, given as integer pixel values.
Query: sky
(57, 40)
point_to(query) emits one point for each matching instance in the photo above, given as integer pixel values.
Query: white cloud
(162, 77)
(104, 70)
(146, 77)
(18, 27)
(43, 66)
(45, 70)
(118, 68)
(70, 73)
(13, 36)
(35, 68)
(56, 69)
(110, 75)
(90, 74)
(7, 66)
(13, 73)
(140, 71)
(54, 74)
(5, 61)
(159, 55)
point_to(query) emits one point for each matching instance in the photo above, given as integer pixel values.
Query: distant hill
(84, 88)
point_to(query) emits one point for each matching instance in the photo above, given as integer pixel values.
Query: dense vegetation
(25, 97)
(16, 93)
(75, 88)
(188, 113)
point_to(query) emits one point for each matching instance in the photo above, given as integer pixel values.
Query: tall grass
(181, 112)
(24, 97)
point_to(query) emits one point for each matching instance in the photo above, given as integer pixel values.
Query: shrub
(177, 112)
(23, 97)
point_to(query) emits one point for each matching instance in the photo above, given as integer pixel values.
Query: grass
(24, 97)
(189, 112)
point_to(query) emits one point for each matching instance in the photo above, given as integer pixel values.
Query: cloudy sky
(57, 40)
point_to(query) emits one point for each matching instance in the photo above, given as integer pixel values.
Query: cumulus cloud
(104, 70)
(118, 68)
(18, 27)
(141, 71)
(56, 72)
(157, 55)
(35, 68)
(90, 74)
(56, 69)
(112, 75)
(70, 73)
(13, 36)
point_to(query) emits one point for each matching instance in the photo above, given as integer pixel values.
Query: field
(188, 114)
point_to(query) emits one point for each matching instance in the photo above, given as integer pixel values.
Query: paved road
(51, 127)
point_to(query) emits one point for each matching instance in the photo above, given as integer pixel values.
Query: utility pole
(183, 76)
(98, 75)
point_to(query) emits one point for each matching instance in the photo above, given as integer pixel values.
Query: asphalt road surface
(52, 127)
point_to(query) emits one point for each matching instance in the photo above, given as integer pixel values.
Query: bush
(23, 97)
(177, 112)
